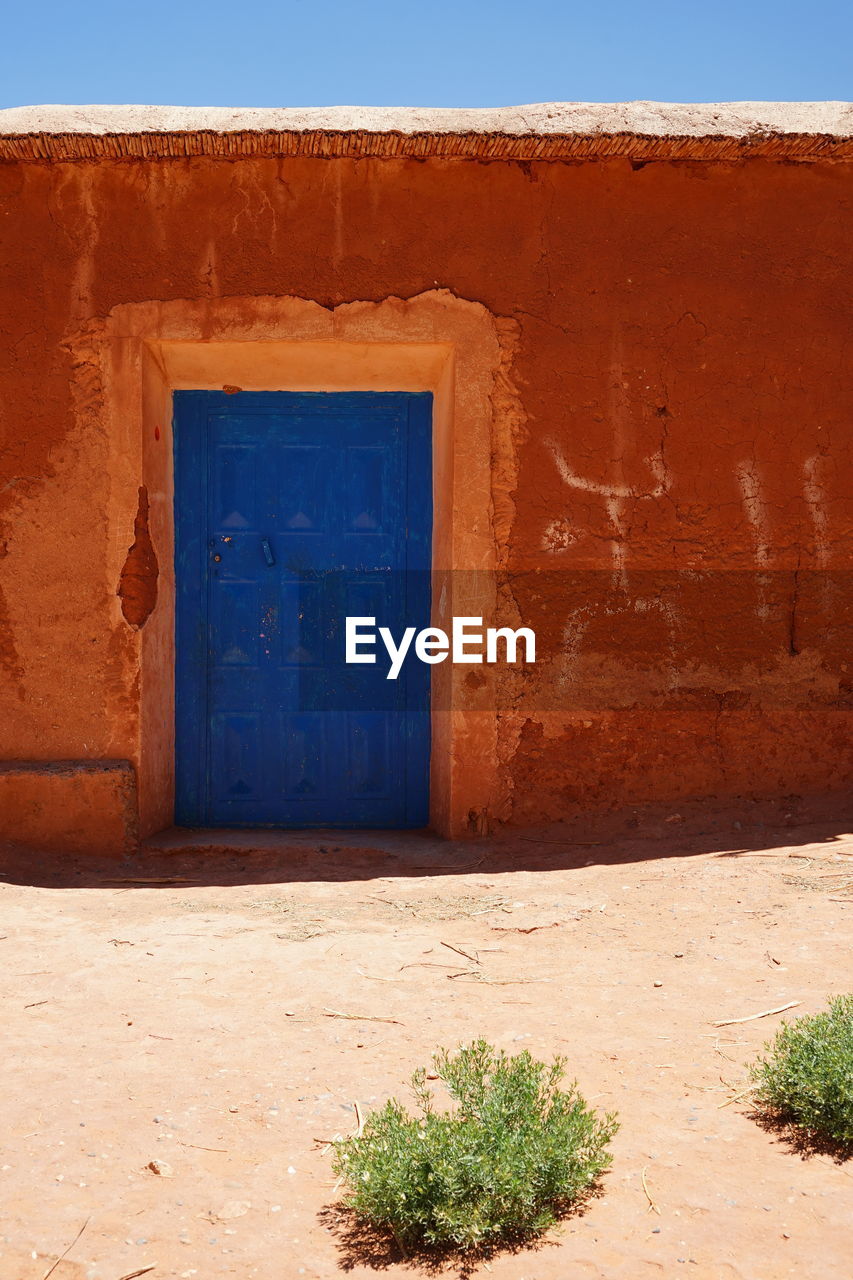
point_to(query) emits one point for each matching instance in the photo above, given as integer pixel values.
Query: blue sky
(440, 53)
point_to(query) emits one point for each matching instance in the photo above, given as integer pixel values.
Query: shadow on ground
(801, 1142)
(641, 834)
(361, 1245)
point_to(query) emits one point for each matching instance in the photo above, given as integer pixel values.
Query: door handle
(268, 552)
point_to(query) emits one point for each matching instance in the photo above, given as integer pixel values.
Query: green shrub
(807, 1075)
(504, 1162)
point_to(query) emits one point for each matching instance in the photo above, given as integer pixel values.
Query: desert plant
(806, 1075)
(504, 1162)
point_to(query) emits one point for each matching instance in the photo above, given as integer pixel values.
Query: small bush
(504, 1162)
(807, 1075)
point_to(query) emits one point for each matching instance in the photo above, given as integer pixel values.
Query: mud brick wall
(674, 516)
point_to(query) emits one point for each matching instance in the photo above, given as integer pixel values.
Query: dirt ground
(221, 1008)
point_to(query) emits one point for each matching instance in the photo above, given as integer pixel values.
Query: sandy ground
(199, 1024)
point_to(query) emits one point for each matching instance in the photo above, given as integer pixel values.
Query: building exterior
(581, 369)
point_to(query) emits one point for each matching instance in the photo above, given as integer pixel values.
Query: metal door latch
(268, 555)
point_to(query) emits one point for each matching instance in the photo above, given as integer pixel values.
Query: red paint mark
(231, 390)
(156, 433)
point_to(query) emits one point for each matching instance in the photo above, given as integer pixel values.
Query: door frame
(434, 342)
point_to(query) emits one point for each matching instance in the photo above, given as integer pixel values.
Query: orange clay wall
(680, 526)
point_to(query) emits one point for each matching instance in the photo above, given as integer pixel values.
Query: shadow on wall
(195, 859)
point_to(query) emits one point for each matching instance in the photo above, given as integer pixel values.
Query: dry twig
(477, 975)
(386, 902)
(359, 1017)
(652, 1204)
(52, 1268)
(510, 928)
(765, 1013)
(735, 1097)
(450, 947)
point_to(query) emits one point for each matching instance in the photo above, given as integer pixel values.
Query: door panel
(293, 511)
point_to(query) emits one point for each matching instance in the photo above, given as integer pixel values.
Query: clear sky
(433, 53)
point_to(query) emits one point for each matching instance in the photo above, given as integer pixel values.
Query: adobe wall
(672, 509)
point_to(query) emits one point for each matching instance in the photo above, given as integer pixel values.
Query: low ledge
(69, 806)
(803, 131)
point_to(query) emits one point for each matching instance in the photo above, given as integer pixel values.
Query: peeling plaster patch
(573, 637)
(9, 660)
(509, 434)
(756, 509)
(137, 586)
(559, 535)
(758, 516)
(814, 492)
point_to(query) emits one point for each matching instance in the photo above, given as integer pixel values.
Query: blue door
(292, 512)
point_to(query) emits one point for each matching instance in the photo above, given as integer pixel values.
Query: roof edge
(543, 131)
